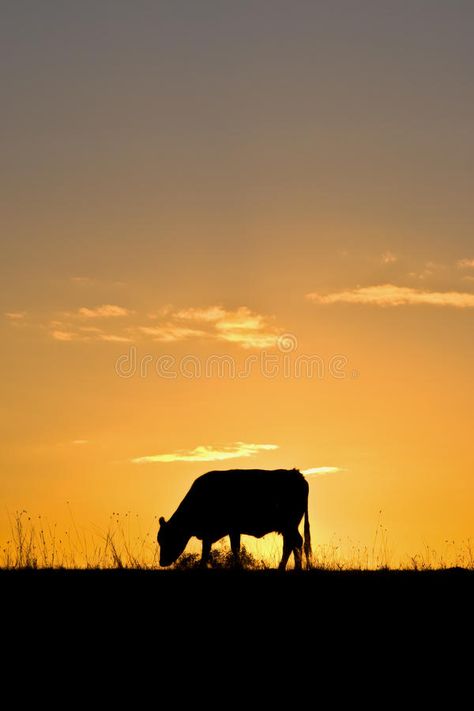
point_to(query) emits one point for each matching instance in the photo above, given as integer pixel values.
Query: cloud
(169, 332)
(240, 326)
(80, 441)
(63, 335)
(82, 280)
(209, 314)
(388, 257)
(321, 471)
(15, 315)
(206, 453)
(249, 339)
(465, 264)
(87, 335)
(165, 310)
(391, 295)
(104, 311)
(429, 269)
(241, 320)
(113, 338)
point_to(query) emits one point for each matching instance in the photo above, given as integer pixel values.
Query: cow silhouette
(240, 501)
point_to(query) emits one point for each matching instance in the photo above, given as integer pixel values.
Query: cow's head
(172, 541)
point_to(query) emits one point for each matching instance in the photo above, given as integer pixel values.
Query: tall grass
(36, 543)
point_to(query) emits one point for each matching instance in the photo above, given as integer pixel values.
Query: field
(69, 582)
(187, 606)
(126, 542)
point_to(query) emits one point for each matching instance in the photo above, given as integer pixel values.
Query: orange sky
(191, 185)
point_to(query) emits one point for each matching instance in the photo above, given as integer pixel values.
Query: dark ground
(187, 632)
(209, 598)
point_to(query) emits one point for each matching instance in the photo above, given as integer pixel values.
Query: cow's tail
(307, 537)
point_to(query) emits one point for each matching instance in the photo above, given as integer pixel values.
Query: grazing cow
(235, 502)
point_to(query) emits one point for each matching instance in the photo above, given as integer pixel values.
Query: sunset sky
(275, 182)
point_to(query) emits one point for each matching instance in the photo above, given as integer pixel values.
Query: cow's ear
(162, 521)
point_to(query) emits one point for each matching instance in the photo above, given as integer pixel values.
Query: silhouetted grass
(36, 544)
(221, 558)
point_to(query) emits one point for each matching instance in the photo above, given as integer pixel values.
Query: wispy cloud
(114, 323)
(429, 269)
(249, 339)
(104, 311)
(63, 333)
(15, 315)
(242, 319)
(80, 442)
(164, 310)
(465, 264)
(391, 295)
(209, 314)
(170, 332)
(59, 335)
(240, 326)
(82, 280)
(113, 338)
(389, 257)
(207, 453)
(321, 471)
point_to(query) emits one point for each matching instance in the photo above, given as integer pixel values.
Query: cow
(239, 501)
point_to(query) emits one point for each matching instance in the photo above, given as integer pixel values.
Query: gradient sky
(197, 178)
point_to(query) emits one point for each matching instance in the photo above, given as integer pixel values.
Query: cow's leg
(287, 548)
(297, 549)
(235, 548)
(206, 550)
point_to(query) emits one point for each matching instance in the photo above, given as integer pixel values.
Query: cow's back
(249, 501)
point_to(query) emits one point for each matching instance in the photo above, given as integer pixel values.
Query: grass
(102, 592)
(36, 544)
